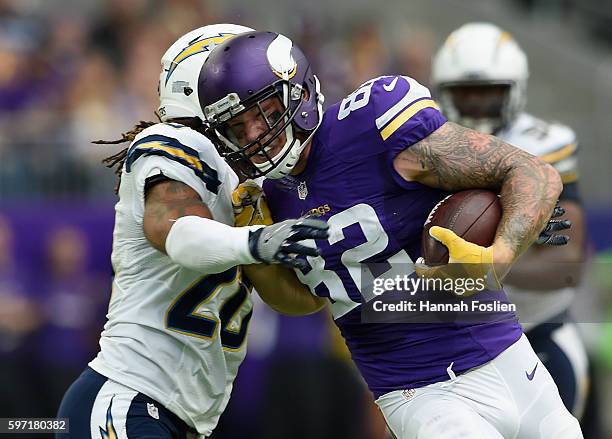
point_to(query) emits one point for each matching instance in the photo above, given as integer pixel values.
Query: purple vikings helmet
(260, 75)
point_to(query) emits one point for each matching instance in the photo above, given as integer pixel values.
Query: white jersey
(173, 334)
(555, 144)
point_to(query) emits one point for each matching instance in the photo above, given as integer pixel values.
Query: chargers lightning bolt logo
(110, 432)
(197, 46)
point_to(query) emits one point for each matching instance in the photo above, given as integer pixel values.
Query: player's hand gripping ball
(250, 206)
(457, 238)
(465, 260)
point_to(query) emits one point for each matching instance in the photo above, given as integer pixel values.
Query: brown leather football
(472, 214)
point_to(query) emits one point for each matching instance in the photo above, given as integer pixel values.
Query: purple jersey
(376, 216)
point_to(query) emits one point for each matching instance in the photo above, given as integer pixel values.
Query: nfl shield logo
(153, 411)
(302, 190)
(408, 394)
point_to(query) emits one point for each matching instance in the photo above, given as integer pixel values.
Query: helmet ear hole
(306, 92)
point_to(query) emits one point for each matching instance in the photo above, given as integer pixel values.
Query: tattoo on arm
(166, 202)
(455, 158)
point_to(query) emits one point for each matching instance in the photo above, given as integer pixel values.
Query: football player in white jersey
(480, 76)
(180, 308)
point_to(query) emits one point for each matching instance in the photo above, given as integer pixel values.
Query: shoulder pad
(537, 136)
(171, 141)
(553, 142)
(385, 114)
(397, 99)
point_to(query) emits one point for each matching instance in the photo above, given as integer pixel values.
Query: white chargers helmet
(181, 64)
(480, 77)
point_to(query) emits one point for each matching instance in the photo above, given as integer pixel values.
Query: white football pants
(510, 397)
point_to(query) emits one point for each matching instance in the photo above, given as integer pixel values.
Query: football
(471, 214)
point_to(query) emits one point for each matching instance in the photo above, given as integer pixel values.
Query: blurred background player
(480, 77)
(180, 309)
(373, 166)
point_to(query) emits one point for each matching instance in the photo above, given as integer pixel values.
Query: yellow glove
(466, 260)
(250, 206)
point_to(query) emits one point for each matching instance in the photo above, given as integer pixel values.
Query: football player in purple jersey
(374, 165)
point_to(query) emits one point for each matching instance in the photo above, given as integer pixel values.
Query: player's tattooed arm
(165, 202)
(455, 158)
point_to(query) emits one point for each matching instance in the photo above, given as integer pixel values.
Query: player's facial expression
(480, 101)
(260, 125)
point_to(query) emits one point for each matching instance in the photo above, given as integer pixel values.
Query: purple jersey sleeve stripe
(406, 115)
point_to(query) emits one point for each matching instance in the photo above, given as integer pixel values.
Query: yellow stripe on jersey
(406, 115)
(560, 154)
(157, 144)
(176, 152)
(569, 177)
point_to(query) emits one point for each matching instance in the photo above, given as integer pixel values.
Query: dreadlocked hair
(116, 161)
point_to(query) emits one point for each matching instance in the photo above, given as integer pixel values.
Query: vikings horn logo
(280, 59)
(195, 47)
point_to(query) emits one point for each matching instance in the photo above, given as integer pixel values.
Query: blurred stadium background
(72, 71)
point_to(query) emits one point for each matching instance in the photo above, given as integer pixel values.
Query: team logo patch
(279, 56)
(290, 74)
(408, 394)
(302, 190)
(319, 211)
(110, 432)
(152, 410)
